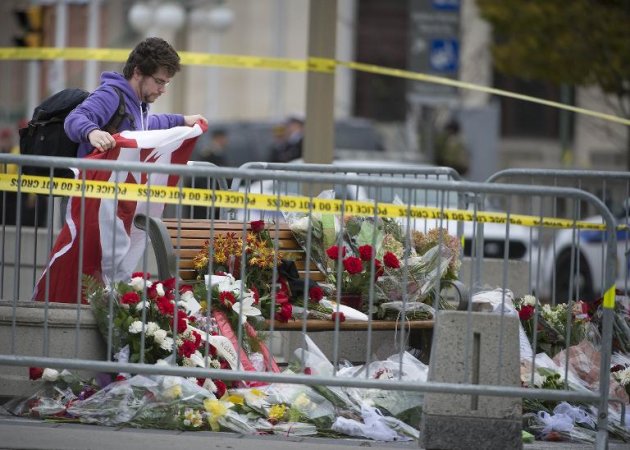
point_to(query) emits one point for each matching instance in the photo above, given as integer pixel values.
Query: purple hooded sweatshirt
(97, 110)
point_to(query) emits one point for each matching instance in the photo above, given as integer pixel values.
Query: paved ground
(19, 433)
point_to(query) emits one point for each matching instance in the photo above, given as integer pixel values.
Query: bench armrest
(161, 242)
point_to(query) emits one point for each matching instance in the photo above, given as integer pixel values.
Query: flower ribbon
(557, 422)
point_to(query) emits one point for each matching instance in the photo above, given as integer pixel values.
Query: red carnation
(146, 276)
(169, 284)
(152, 292)
(35, 373)
(200, 381)
(130, 298)
(315, 294)
(391, 260)
(353, 265)
(181, 324)
(187, 348)
(308, 371)
(333, 252)
(338, 315)
(257, 225)
(254, 290)
(185, 288)
(165, 306)
(221, 388)
(366, 252)
(526, 312)
(227, 299)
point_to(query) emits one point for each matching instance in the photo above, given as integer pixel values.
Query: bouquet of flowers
(621, 320)
(227, 251)
(152, 322)
(552, 323)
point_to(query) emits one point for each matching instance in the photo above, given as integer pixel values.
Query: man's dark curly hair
(150, 55)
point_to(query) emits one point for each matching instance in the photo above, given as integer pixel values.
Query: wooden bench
(177, 241)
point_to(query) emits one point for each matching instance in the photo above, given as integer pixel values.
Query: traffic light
(31, 22)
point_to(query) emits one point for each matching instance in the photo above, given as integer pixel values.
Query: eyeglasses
(160, 82)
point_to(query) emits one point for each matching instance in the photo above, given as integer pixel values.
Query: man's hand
(101, 140)
(193, 119)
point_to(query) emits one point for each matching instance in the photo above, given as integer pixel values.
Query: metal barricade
(400, 273)
(572, 263)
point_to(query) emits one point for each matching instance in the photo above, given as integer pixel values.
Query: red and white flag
(112, 246)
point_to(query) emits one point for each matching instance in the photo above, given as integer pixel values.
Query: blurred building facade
(370, 31)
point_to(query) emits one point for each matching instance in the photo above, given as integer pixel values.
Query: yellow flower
(173, 392)
(276, 412)
(236, 399)
(215, 409)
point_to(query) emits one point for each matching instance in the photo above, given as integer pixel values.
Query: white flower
(529, 300)
(623, 376)
(209, 385)
(141, 305)
(159, 335)
(245, 308)
(167, 344)
(152, 327)
(50, 375)
(136, 327)
(137, 283)
(160, 289)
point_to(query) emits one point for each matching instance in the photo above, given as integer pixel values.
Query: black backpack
(44, 135)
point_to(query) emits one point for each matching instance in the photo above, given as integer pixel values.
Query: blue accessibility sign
(444, 55)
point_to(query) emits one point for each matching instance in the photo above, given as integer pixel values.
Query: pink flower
(257, 225)
(353, 265)
(391, 260)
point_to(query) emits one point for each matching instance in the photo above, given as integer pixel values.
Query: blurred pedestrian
(450, 150)
(294, 139)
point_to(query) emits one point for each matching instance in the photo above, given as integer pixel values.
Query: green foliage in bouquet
(550, 324)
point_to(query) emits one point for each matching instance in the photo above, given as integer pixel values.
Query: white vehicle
(521, 240)
(588, 250)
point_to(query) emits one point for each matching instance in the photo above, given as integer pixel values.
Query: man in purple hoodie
(148, 71)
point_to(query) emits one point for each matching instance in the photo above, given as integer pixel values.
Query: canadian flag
(112, 246)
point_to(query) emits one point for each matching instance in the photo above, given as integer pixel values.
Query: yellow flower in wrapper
(302, 402)
(173, 392)
(276, 413)
(215, 409)
(236, 399)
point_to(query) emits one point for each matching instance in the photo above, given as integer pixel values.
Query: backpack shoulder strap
(119, 115)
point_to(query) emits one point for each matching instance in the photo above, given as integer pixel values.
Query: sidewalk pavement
(21, 433)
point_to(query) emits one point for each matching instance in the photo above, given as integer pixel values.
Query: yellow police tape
(288, 203)
(324, 65)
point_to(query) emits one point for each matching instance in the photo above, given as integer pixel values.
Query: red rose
(391, 260)
(333, 252)
(285, 313)
(35, 373)
(315, 294)
(308, 371)
(130, 298)
(227, 299)
(257, 225)
(353, 265)
(120, 377)
(197, 337)
(282, 298)
(366, 252)
(200, 381)
(221, 388)
(152, 292)
(526, 312)
(338, 315)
